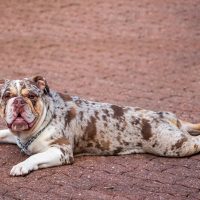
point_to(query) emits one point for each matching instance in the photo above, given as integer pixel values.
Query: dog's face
(21, 103)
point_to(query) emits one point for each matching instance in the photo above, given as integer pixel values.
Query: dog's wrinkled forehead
(17, 86)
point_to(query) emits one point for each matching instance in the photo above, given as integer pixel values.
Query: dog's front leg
(54, 156)
(7, 137)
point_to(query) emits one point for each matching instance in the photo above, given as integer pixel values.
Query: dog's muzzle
(21, 120)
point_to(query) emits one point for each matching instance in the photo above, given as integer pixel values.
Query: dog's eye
(7, 95)
(32, 96)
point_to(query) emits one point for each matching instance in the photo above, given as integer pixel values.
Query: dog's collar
(24, 146)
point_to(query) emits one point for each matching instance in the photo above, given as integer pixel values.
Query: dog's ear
(3, 81)
(41, 83)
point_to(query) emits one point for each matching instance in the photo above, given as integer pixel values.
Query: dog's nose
(19, 102)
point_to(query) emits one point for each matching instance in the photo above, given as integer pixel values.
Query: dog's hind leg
(186, 146)
(171, 141)
(177, 147)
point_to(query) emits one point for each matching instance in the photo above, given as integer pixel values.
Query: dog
(54, 127)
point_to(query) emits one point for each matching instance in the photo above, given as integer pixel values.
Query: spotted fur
(72, 126)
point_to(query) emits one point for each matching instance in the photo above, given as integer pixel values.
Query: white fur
(9, 111)
(7, 137)
(45, 159)
(18, 87)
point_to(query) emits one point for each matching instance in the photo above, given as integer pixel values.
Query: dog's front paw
(23, 168)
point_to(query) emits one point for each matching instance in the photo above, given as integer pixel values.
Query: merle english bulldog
(52, 127)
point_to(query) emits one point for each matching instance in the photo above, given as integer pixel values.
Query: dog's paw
(23, 168)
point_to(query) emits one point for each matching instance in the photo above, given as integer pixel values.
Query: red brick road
(140, 53)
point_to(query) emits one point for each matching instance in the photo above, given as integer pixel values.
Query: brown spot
(138, 109)
(81, 115)
(196, 147)
(146, 129)
(90, 144)
(63, 151)
(61, 157)
(96, 113)
(135, 121)
(124, 126)
(98, 145)
(71, 160)
(119, 138)
(86, 102)
(65, 97)
(179, 143)
(78, 102)
(117, 150)
(178, 123)
(61, 141)
(105, 145)
(165, 152)
(155, 144)
(105, 124)
(161, 115)
(54, 116)
(156, 120)
(106, 112)
(139, 144)
(22, 84)
(91, 130)
(104, 117)
(125, 143)
(71, 114)
(118, 111)
(117, 126)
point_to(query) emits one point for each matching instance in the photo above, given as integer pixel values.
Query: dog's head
(22, 102)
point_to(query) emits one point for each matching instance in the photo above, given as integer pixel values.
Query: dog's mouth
(20, 124)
